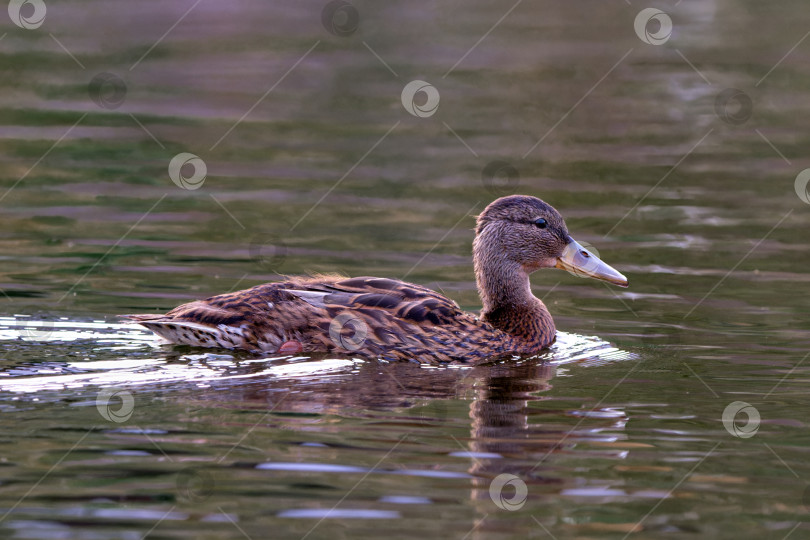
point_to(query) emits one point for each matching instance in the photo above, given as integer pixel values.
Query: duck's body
(369, 316)
(391, 319)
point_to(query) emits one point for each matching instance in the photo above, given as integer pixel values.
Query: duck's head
(526, 231)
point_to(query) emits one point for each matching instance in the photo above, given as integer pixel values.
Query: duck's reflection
(509, 431)
(514, 426)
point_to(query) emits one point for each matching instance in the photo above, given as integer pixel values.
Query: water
(314, 165)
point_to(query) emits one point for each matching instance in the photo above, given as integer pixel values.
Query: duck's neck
(508, 302)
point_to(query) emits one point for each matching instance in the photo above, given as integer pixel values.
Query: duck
(389, 319)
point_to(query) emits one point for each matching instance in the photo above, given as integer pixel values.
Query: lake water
(671, 140)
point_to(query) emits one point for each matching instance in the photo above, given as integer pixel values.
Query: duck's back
(365, 316)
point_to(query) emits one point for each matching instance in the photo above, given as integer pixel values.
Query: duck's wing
(405, 301)
(392, 319)
(367, 316)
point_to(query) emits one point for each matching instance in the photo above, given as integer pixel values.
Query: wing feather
(402, 320)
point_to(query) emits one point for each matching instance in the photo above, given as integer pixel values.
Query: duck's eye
(540, 223)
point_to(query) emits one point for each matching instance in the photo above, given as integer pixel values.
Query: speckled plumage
(388, 318)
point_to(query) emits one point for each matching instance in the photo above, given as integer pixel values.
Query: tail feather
(192, 333)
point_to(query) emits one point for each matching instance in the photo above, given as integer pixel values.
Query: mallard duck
(395, 320)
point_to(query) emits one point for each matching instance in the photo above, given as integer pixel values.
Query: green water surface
(675, 155)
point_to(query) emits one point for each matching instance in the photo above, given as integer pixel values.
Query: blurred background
(669, 136)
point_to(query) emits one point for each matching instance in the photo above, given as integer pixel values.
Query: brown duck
(394, 320)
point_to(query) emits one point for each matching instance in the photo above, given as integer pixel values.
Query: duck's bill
(581, 262)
